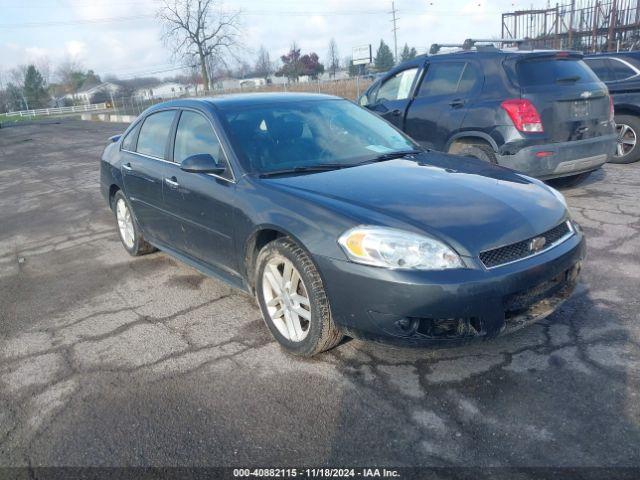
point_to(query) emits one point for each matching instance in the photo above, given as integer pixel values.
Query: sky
(123, 37)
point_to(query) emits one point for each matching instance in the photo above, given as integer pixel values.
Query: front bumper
(567, 158)
(450, 307)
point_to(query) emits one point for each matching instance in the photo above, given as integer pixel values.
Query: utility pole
(395, 29)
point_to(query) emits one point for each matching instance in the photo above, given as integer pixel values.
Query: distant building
(84, 95)
(164, 90)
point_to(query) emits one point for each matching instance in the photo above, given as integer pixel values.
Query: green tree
(408, 53)
(384, 58)
(34, 88)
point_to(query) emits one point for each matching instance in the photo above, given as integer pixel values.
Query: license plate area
(580, 108)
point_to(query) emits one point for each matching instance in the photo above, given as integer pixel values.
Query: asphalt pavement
(109, 360)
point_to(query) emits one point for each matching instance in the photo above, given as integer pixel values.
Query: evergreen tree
(408, 53)
(384, 58)
(34, 88)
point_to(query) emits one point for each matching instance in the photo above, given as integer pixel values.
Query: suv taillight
(523, 114)
(611, 109)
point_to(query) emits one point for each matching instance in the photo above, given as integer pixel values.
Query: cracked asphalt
(107, 360)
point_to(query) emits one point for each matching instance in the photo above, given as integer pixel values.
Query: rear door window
(553, 71)
(154, 134)
(444, 79)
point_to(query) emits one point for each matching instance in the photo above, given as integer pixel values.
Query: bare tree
(195, 30)
(333, 58)
(264, 67)
(44, 67)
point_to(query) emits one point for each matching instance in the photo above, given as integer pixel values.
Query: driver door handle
(458, 102)
(127, 167)
(172, 182)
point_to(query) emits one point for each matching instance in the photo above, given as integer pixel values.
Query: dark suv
(544, 113)
(621, 73)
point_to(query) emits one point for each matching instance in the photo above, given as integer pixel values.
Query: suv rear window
(551, 71)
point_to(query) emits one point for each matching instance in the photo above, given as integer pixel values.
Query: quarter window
(127, 142)
(154, 133)
(620, 70)
(600, 67)
(194, 136)
(397, 87)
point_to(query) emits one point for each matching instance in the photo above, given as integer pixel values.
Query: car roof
(237, 100)
(632, 54)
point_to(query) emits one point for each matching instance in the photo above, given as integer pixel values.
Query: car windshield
(311, 134)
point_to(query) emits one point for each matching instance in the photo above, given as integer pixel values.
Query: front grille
(519, 250)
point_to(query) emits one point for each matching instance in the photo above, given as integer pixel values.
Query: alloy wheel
(627, 139)
(286, 299)
(125, 223)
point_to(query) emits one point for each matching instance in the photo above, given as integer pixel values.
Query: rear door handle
(127, 167)
(458, 102)
(172, 182)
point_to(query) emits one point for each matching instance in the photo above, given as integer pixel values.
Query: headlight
(392, 248)
(559, 196)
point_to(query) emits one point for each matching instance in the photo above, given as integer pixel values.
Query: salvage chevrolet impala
(338, 223)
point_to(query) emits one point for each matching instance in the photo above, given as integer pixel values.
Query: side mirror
(201, 163)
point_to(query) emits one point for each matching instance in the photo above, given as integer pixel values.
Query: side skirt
(231, 280)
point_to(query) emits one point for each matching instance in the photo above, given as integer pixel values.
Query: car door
(392, 97)
(142, 168)
(200, 205)
(441, 102)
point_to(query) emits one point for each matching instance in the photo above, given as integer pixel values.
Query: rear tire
(628, 131)
(481, 152)
(293, 301)
(567, 182)
(128, 229)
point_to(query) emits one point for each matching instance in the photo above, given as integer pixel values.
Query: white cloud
(135, 44)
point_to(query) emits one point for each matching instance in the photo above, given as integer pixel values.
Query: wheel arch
(261, 236)
(465, 138)
(627, 109)
(113, 189)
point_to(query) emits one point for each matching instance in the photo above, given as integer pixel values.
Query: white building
(164, 90)
(84, 95)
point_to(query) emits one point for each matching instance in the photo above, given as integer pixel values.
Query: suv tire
(288, 283)
(627, 126)
(481, 152)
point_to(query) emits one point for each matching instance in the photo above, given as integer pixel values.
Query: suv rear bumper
(566, 158)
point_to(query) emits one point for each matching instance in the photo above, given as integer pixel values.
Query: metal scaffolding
(586, 25)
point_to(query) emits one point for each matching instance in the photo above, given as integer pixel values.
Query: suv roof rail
(469, 43)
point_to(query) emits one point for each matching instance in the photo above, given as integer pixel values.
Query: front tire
(128, 229)
(628, 130)
(293, 301)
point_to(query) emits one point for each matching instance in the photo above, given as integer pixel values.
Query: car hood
(471, 204)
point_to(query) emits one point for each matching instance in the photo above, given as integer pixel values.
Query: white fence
(58, 110)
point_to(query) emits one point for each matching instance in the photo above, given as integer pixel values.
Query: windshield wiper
(390, 156)
(321, 167)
